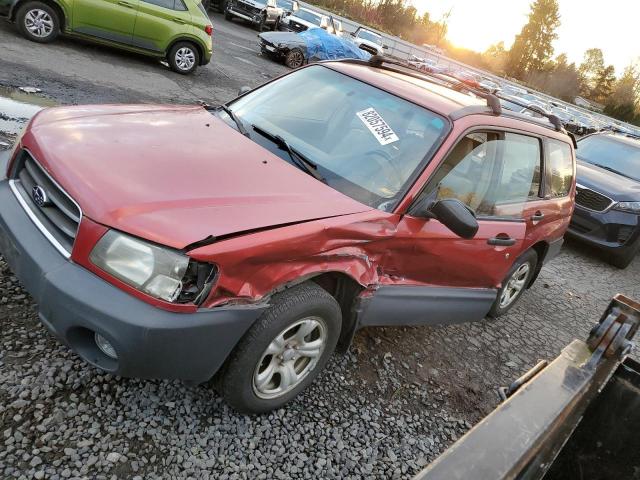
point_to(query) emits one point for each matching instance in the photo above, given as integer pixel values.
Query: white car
(369, 41)
(419, 63)
(302, 20)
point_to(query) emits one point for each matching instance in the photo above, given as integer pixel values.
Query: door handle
(536, 217)
(179, 20)
(502, 241)
(126, 4)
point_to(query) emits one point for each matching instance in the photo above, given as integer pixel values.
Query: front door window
(494, 174)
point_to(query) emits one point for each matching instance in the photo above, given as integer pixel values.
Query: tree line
(530, 59)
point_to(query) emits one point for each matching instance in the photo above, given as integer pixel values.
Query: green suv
(178, 30)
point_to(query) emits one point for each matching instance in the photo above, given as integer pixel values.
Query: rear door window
(494, 173)
(559, 168)
(169, 4)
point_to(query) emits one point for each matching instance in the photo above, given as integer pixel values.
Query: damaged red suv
(246, 242)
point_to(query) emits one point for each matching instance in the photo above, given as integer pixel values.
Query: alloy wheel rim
(39, 23)
(296, 59)
(185, 58)
(290, 357)
(515, 285)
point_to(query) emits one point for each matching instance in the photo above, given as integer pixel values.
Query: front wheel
(38, 22)
(183, 58)
(283, 351)
(515, 283)
(294, 58)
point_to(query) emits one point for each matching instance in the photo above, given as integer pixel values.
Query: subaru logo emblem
(39, 196)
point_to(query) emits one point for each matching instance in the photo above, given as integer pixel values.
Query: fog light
(105, 346)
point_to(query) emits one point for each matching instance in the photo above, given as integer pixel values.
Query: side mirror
(386, 47)
(244, 89)
(456, 216)
(451, 212)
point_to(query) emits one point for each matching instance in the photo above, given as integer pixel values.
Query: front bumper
(612, 231)
(245, 15)
(74, 303)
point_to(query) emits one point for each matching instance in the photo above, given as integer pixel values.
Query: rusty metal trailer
(575, 418)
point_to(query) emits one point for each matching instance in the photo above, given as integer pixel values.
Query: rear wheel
(515, 283)
(294, 58)
(38, 22)
(283, 351)
(183, 58)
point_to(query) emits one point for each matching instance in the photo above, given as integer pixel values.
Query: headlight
(158, 271)
(630, 207)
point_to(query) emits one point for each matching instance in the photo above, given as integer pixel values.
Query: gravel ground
(383, 410)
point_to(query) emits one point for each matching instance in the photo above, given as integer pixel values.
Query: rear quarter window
(559, 168)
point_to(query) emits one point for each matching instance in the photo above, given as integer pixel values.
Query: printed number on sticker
(377, 126)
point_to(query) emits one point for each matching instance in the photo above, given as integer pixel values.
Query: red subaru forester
(245, 242)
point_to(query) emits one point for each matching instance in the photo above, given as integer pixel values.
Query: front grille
(247, 7)
(368, 49)
(297, 27)
(52, 210)
(592, 200)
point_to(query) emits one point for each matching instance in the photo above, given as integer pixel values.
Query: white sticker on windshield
(376, 125)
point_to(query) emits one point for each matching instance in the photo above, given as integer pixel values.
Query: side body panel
(112, 20)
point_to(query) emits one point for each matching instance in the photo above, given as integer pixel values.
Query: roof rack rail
(441, 79)
(553, 119)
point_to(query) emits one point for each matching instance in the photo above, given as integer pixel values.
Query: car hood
(288, 38)
(174, 175)
(617, 187)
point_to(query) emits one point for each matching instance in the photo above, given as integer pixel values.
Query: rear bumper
(612, 231)
(74, 303)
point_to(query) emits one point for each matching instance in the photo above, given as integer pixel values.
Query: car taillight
(209, 29)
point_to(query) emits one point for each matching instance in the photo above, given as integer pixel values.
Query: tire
(38, 22)
(623, 260)
(276, 25)
(183, 58)
(251, 381)
(262, 24)
(294, 58)
(227, 15)
(528, 261)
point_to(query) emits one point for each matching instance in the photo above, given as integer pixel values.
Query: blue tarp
(321, 45)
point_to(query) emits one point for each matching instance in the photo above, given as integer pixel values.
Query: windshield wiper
(611, 170)
(235, 118)
(299, 159)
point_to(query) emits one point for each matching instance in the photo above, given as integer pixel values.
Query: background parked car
(178, 30)
(427, 65)
(607, 213)
(303, 19)
(261, 14)
(369, 41)
(296, 49)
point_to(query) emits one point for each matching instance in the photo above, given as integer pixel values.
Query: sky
(611, 25)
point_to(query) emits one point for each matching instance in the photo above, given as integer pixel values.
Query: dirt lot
(388, 407)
